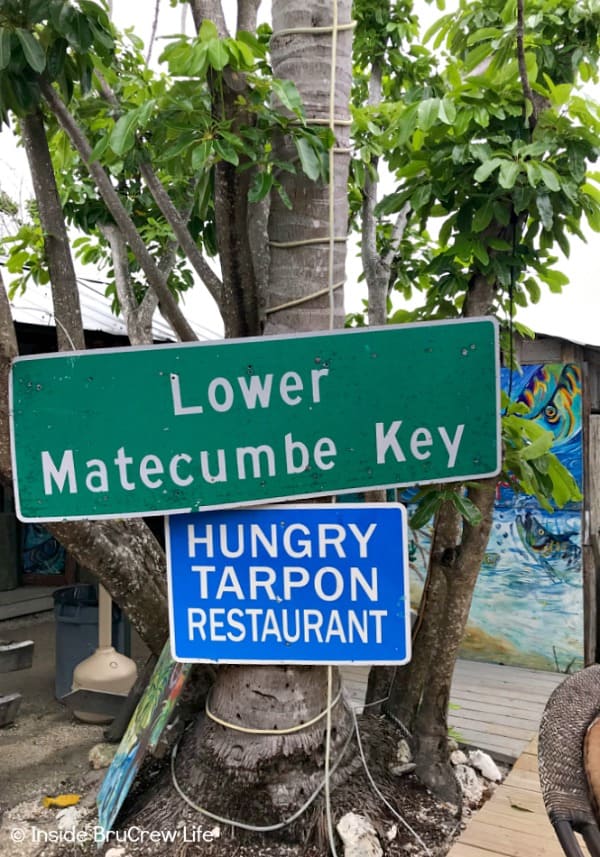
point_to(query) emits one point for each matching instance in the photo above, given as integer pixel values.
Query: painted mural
(42, 554)
(528, 603)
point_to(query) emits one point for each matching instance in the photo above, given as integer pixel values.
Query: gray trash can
(76, 617)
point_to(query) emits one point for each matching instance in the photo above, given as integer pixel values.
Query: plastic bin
(76, 615)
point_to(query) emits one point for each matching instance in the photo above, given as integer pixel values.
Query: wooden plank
(505, 749)
(524, 780)
(463, 850)
(498, 707)
(526, 762)
(506, 685)
(492, 727)
(518, 822)
(509, 796)
(509, 842)
(482, 670)
(515, 697)
(503, 708)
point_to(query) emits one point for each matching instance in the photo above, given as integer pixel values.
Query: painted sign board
(151, 717)
(303, 584)
(175, 428)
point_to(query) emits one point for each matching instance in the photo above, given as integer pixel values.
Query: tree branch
(169, 211)
(209, 10)
(247, 15)
(153, 33)
(181, 232)
(156, 279)
(139, 324)
(377, 267)
(527, 90)
(8, 352)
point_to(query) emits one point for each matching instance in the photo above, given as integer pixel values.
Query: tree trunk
(123, 555)
(65, 295)
(296, 272)
(284, 769)
(420, 691)
(298, 295)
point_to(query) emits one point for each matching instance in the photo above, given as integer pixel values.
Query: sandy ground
(45, 752)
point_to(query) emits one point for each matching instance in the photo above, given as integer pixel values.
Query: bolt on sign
(176, 428)
(302, 584)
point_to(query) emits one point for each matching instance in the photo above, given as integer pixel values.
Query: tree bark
(8, 352)
(65, 295)
(297, 272)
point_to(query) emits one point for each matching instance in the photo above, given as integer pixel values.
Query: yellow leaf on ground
(61, 801)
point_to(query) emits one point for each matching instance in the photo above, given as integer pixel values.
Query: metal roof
(35, 307)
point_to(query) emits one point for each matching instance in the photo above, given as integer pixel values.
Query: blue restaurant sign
(304, 584)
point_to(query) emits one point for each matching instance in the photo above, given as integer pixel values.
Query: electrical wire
(377, 791)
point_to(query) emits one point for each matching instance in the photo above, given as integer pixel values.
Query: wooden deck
(494, 708)
(514, 822)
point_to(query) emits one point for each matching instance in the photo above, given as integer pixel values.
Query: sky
(575, 314)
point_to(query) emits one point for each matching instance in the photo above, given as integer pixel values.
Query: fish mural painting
(527, 607)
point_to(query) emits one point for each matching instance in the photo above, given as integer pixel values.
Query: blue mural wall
(528, 603)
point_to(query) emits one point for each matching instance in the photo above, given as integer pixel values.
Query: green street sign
(174, 428)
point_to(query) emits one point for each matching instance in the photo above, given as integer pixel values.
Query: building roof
(35, 307)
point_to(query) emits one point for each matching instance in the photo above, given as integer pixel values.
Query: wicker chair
(569, 757)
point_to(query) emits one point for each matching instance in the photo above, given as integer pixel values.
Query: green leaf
(122, 136)
(207, 31)
(509, 172)
(420, 197)
(466, 507)
(249, 39)
(311, 165)
(286, 92)
(480, 253)
(226, 152)
(483, 216)
(100, 148)
(484, 171)
(262, 183)
(426, 509)
(218, 56)
(538, 447)
(549, 177)
(546, 212)
(200, 155)
(447, 112)
(564, 485)
(554, 279)
(34, 53)
(55, 60)
(4, 48)
(428, 112)
(534, 174)
(283, 195)
(533, 289)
